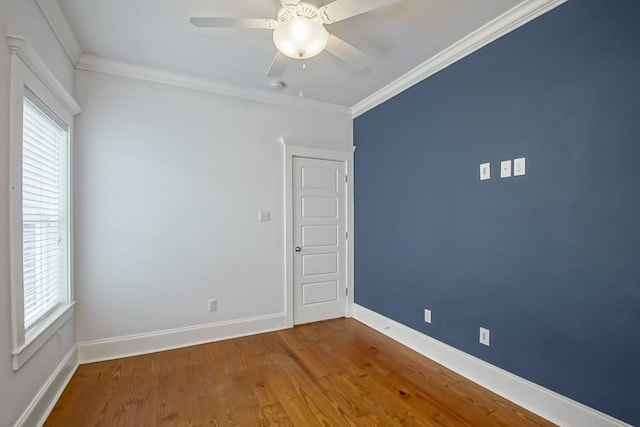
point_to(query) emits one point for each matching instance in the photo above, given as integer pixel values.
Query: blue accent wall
(549, 262)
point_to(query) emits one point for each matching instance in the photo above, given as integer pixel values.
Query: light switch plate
(264, 216)
(485, 171)
(505, 169)
(520, 166)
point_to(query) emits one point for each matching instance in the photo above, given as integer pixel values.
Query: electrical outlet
(213, 304)
(427, 315)
(485, 337)
(264, 216)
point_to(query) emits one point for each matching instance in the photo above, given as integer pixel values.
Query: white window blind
(44, 211)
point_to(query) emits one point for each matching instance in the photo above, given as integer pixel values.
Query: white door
(319, 240)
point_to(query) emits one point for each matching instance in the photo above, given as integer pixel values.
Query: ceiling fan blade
(347, 53)
(343, 9)
(279, 65)
(202, 22)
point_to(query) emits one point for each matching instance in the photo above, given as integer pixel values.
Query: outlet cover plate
(213, 304)
(264, 216)
(427, 315)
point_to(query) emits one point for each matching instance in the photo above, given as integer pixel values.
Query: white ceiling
(157, 34)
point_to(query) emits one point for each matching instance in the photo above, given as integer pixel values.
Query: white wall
(23, 18)
(169, 182)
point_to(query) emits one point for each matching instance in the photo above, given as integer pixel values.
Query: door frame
(314, 149)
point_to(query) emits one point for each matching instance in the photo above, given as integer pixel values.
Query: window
(40, 205)
(45, 258)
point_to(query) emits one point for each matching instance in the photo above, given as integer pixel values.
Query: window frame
(30, 74)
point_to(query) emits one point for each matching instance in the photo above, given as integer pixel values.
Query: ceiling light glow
(300, 30)
(300, 38)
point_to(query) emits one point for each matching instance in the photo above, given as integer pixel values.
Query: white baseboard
(42, 404)
(134, 345)
(550, 405)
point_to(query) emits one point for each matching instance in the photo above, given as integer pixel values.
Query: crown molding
(514, 18)
(140, 72)
(504, 24)
(58, 23)
(23, 49)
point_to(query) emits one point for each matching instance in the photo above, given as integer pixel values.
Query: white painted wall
(169, 182)
(23, 18)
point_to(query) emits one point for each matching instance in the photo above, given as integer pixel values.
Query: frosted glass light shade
(300, 38)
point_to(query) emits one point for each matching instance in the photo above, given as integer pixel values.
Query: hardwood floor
(332, 373)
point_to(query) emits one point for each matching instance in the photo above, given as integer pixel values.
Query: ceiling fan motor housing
(300, 33)
(306, 10)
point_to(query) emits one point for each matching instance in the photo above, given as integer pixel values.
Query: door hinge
(346, 178)
(346, 291)
(346, 235)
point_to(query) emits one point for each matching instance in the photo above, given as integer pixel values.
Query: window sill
(41, 334)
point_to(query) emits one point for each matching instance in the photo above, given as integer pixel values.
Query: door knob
(298, 248)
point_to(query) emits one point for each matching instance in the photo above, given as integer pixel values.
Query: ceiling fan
(299, 30)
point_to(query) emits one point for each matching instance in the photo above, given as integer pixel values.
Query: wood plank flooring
(332, 373)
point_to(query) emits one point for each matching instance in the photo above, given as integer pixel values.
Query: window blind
(44, 211)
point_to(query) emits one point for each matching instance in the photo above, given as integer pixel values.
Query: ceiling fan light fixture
(300, 38)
